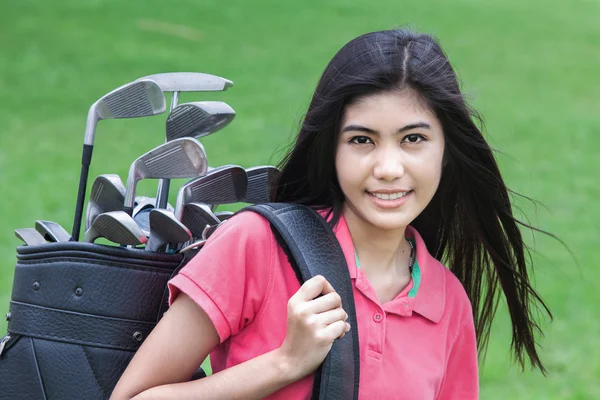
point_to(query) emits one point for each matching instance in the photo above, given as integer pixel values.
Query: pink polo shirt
(417, 346)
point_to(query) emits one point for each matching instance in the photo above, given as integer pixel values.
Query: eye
(360, 140)
(413, 138)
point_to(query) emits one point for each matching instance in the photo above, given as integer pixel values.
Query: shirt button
(377, 317)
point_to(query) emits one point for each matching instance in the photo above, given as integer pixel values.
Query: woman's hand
(315, 319)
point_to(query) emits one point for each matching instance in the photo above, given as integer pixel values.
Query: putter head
(165, 228)
(260, 182)
(198, 119)
(197, 216)
(189, 82)
(180, 158)
(52, 231)
(223, 185)
(116, 226)
(107, 194)
(141, 98)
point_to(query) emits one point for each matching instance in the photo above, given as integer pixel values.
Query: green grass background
(529, 66)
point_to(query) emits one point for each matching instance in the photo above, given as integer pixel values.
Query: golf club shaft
(162, 196)
(85, 168)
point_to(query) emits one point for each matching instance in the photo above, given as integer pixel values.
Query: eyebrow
(408, 127)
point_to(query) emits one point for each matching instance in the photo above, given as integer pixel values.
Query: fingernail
(347, 327)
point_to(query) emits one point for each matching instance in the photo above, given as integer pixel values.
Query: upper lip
(388, 191)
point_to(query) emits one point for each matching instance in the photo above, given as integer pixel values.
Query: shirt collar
(431, 297)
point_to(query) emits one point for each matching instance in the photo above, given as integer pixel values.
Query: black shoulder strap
(313, 249)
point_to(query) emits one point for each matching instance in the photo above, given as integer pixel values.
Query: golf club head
(223, 185)
(198, 119)
(189, 82)
(107, 194)
(141, 98)
(260, 181)
(141, 212)
(30, 236)
(180, 158)
(116, 226)
(165, 228)
(52, 231)
(197, 216)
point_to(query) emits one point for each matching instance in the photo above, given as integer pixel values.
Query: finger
(324, 303)
(314, 287)
(329, 317)
(335, 330)
(346, 331)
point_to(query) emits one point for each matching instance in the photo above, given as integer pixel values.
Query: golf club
(116, 226)
(180, 158)
(107, 194)
(136, 99)
(30, 236)
(141, 212)
(193, 120)
(184, 82)
(260, 181)
(197, 216)
(223, 185)
(165, 228)
(52, 231)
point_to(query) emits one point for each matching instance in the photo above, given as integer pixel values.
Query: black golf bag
(79, 311)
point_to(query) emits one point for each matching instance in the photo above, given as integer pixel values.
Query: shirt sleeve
(461, 380)
(230, 276)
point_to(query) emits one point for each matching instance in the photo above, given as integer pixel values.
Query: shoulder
(443, 295)
(456, 295)
(244, 228)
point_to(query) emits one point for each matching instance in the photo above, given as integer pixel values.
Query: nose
(389, 164)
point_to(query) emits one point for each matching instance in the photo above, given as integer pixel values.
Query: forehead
(393, 108)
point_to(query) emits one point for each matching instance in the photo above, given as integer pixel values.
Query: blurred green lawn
(529, 67)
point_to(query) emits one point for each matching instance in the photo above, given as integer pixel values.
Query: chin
(390, 223)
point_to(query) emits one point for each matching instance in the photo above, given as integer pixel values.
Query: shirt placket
(377, 322)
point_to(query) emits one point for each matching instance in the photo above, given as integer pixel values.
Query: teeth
(391, 196)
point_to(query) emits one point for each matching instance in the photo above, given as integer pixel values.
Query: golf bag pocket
(78, 312)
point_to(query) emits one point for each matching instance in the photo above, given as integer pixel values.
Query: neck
(379, 250)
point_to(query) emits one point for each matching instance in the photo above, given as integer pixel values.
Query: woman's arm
(185, 335)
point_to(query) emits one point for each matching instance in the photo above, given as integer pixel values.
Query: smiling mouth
(389, 196)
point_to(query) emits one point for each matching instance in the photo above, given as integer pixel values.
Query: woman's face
(388, 159)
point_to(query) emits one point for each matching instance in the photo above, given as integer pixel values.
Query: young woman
(389, 153)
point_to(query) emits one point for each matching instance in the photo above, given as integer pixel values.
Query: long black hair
(469, 223)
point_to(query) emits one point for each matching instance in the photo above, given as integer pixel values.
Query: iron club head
(30, 236)
(107, 194)
(165, 228)
(260, 182)
(198, 119)
(52, 231)
(180, 158)
(223, 185)
(116, 226)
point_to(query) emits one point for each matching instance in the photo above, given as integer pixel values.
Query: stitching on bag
(71, 340)
(94, 373)
(104, 263)
(81, 315)
(37, 368)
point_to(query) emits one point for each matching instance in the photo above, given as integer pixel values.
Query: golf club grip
(86, 159)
